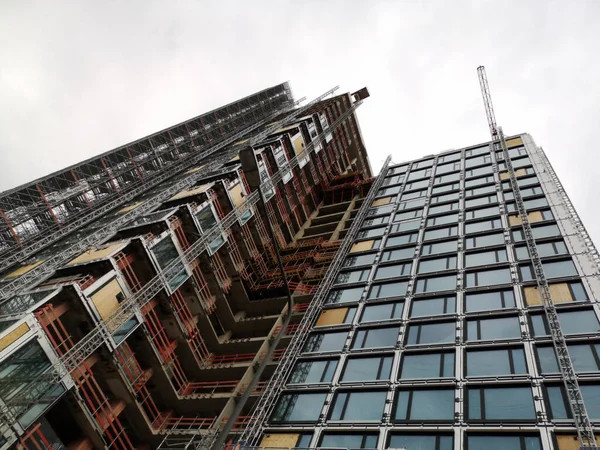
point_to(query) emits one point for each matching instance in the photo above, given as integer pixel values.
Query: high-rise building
(144, 292)
(433, 329)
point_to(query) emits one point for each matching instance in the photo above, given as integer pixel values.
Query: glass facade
(450, 347)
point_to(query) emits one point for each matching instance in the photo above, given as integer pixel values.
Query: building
(141, 289)
(430, 332)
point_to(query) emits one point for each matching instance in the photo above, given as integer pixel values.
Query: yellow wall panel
(570, 442)
(381, 201)
(518, 173)
(15, 334)
(559, 292)
(23, 269)
(236, 193)
(195, 169)
(515, 142)
(514, 221)
(194, 191)
(332, 317)
(535, 216)
(105, 299)
(362, 246)
(130, 207)
(532, 296)
(298, 145)
(94, 254)
(280, 440)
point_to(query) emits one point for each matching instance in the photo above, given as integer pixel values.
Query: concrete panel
(105, 299)
(332, 317)
(11, 337)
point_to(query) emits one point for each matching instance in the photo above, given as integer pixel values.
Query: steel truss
(135, 304)
(585, 431)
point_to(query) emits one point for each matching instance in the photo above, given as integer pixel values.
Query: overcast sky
(81, 77)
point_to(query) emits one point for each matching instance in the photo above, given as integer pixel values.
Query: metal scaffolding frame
(583, 424)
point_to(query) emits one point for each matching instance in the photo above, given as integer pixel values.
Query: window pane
(484, 241)
(440, 233)
(397, 254)
(358, 406)
(479, 181)
(486, 225)
(439, 247)
(436, 284)
(480, 201)
(433, 306)
(387, 290)
(442, 220)
(417, 405)
(496, 362)
(488, 277)
(443, 208)
(571, 322)
(352, 276)
(399, 240)
(408, 215)
(558, 407)
(360, 260)
(435, 265)
(481, 213)
(483, 301)
(384, 311)
(591, 398)
(368, 369)
(392, 271)
(584, 357)
(344, 295)
(371, 232)
(503, 442)
(485, 258)
(427, 365)
(421, 442)
(299, 407)
(559, 269)
(313, 371)
(547, 360)
(499, 328)
(350, 441)
(445, 188)
(375, 338)
(406, 226)
(502, 403)
(430, 333)
(325, 342)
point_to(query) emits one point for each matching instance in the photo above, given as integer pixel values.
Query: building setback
(141, 289)
(430, 331)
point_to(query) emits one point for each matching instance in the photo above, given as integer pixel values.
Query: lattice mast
(585, 431)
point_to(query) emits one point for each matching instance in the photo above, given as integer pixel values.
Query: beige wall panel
(236, 193)
(381, 201)
(279, 440)
(514, 221)
(11, 337)
(535, 216)
(332, 317)
(195, 169)
(570, 442)
(560, 293)
(190, 192)
(362, 246)
(515, 142)
(105, 299)
(130, 207)
(298, 145)
(24, 269)
(92, 254)
(518, 173)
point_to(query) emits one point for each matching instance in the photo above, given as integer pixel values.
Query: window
(376, 221)
(344, 295)
(370, 233)
(521, 182)
(353, 276)
(427, 365)
(440, 233)
(388, 290)
(433, 306)
(375, 337)
(408, 215)
(439, 248)
(396, 179)
(585, 358)
(445, 198)
(431, 333)
(435, 265)
(480, 201)
(478, 161)
(445, 188)
(529, 204)
(421, 441)
(399, 240)
(496, 328)
(442, 220)
(350, 441)
(483, 301)
(491, 189)
(422, 164)
(393, 270)
(484, 241)
(450, 157)
(397, 170)
(305, 407)
(559, 405)
(500, 403)
(368, 369)
(477, 151)
(554, 269)
(481, 213)
(485, 258)
(386, 209)
(382, 311)
(398, 254)
(479, 181)
(449, 178)
(540, 232)
(416, 175)
(325, 342)
(413, 194)
(405, 226)
(416, 185)
(392, 190)
(446, 283)
(496, 362)
(503, 442)
(486, 170)
(360, 260)
(488, 277)
(425, 405)
(571, 322)
(313, 371)
(486, 225)
(443, 208)
(363, 246)
(358, 406)
(445, 168)
(527, 192)
(544, 249)
(417, 203)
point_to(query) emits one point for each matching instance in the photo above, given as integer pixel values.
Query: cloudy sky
(79, 78)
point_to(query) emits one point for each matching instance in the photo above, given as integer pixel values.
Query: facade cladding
(141, 289)
(433, 335)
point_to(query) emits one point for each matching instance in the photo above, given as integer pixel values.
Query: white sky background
(80, 78)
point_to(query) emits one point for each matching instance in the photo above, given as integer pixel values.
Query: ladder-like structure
(585, 431)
